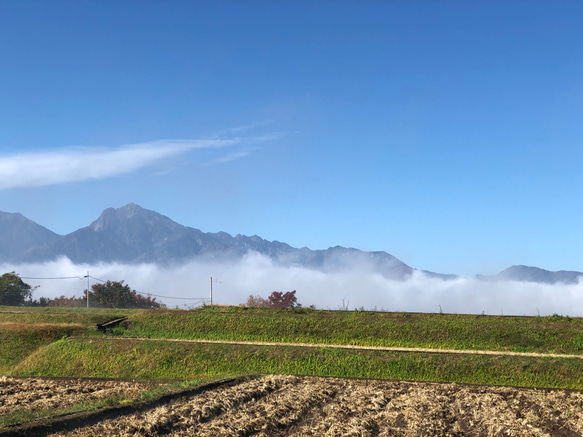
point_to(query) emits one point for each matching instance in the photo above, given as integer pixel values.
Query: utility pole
(87, 289)
(211, 290)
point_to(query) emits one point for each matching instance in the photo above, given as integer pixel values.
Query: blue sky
(446, 133)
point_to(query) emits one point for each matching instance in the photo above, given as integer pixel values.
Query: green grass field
(448, 331)
(36, 342)
(115, 358)
(18, 341)
(83, 316)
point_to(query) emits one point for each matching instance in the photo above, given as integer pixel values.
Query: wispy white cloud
(241, 153)
(266, 137)
(73, 164)
(246, 128)
(227, 158)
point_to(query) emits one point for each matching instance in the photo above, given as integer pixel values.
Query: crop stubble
(40, 394)
(310, 406)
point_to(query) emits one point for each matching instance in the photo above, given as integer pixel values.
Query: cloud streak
(75, 164)
(227, 158)
(78, 164)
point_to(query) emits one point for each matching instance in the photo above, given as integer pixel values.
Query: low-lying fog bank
(356, 288)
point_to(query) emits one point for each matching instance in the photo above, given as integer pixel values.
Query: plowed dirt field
(44, 394)
(310, 406)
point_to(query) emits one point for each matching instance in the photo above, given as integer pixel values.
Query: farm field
(148, 359)
(310, 406)
(544, 334)
(65, 342)
(39, 394)
(319, 395)
(27, 399)
(551, 334)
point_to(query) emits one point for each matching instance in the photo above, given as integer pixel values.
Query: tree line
(115, 294)
(111, 294)
(276, 299)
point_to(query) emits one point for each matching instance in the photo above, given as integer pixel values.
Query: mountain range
(132, 234)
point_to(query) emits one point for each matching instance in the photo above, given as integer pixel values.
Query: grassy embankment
(96, 355)
(554, 334)
(24, 330)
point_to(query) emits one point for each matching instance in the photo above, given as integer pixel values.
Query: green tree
(114, 294)
(13, 290)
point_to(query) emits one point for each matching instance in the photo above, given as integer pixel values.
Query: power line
(172, 297)
(157, 295)
(61, 277)
(101, 280)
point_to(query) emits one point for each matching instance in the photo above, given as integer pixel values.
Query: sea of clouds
(188, 285)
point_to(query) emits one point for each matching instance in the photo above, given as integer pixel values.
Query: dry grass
(10, 326)
(39, 394)
(308, 406)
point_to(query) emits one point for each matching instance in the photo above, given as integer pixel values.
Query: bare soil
(311, 406)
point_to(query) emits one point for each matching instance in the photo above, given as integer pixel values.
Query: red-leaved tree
(286, 300)
(277, 299)
(69, 302)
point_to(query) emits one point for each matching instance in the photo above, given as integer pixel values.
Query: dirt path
(377, 348)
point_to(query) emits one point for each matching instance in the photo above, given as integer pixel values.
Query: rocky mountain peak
(131, 215)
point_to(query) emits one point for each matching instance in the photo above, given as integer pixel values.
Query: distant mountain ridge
(534, 274)
(132, 234)
(18, 234)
